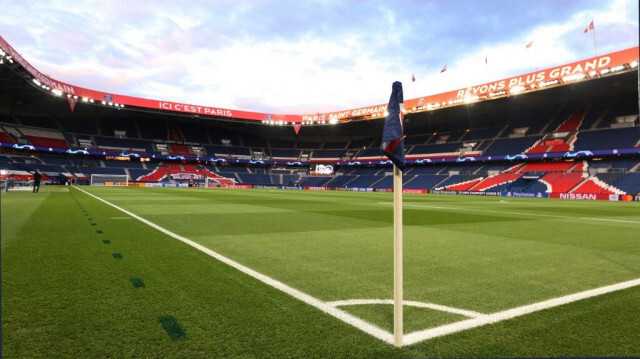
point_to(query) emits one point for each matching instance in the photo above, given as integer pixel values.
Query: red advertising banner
(585, 196)
(532, 81)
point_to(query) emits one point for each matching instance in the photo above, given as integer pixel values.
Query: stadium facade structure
(569, 131)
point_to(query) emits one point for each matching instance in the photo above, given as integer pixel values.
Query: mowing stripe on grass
(516, 213)
(137, 282)
(422, 335)
(171, 326)
(363, 325)
(372, 329)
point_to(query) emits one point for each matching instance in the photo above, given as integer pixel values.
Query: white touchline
(422, 335)
(335, 312)
(371, 329)
(516, 213)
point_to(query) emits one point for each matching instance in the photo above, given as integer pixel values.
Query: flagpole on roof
(595, 43)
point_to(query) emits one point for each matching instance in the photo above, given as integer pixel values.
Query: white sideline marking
(121, 217)
(306, 298)
(408, 303)
(372, 329)
(517, 213)
(422, 335)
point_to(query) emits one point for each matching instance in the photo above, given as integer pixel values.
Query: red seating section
(174, 168)
(6, 138)
(465, 186)
(548, 167)
(176, 149)
(592, 187)
(47, 142)
(573, 123)
(494, 181)
(563, 182)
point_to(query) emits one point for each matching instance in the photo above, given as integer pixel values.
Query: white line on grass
(306, 298)
(516, 213)
(422, 335)
(374, 330)
(408, 303)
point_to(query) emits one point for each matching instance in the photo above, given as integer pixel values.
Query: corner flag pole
(392, 146)
(397, 257)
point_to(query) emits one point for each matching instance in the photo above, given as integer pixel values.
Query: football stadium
(167, 229)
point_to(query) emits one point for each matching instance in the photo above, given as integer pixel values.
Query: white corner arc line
(422, 335)
(408, 303)
(363, 325)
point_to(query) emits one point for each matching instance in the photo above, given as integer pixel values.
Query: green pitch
(81, 278)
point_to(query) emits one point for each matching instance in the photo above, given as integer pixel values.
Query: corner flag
(392, 135)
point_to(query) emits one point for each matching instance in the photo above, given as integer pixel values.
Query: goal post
(109, 180)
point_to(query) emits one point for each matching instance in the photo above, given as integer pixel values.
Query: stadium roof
(591, 68)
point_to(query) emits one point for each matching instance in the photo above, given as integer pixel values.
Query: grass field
(83, 279)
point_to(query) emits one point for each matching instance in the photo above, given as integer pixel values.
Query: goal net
(109, 180)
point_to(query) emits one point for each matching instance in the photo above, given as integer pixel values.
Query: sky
(306, 57)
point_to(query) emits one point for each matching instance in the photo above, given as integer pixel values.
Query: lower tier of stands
(616, 176)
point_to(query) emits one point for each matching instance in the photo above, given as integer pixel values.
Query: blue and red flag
(393, 135)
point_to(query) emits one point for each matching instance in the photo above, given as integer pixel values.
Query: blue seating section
(125, 143)
(327, 153)
(434, 148)
(629, 183)
(285, 153)
(340, 181)
(427, 170)
(250, 178)
(511, 146)
(314, 181)
(243, 151)
(424, 181)
(480, 134)
(607, 139)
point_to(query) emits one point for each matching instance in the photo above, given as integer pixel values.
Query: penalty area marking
(371, 329)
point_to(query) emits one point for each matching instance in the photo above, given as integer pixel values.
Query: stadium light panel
(517, 89)
(574, 77)
(617, 68)
(56, 92)
(633, 64)
(333, 121)
(35, 81)
(84, 99)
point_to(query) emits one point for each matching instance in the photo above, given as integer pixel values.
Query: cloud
(305, 57)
